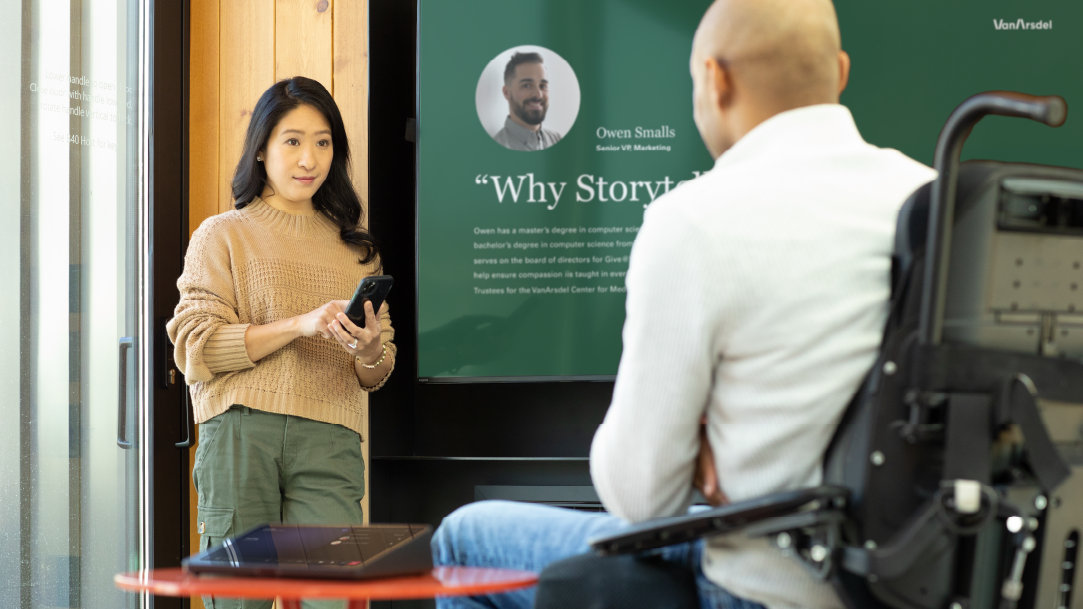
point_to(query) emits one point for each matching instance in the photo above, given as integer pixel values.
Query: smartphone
(373, 289)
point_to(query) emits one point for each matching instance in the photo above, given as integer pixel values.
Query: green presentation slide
(523, 238)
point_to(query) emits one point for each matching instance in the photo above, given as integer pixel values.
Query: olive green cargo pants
(254, 467)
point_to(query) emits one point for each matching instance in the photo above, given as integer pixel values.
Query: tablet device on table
(319, 551)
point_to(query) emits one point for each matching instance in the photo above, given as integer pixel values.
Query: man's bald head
(785, 49)
(774, 55)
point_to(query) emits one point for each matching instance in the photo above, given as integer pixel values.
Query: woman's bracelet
(376, 364)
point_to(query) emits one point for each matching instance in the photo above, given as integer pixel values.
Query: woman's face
(297, 158)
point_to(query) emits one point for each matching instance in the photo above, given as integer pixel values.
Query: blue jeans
(529, 536)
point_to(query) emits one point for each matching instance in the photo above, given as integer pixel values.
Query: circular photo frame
(563, 92)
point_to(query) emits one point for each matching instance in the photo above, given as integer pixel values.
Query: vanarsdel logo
(1022, 24)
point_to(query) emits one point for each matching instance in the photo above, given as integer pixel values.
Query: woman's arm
(207, 335)
(263, 340)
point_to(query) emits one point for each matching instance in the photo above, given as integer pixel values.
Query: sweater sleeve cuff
(225, 350)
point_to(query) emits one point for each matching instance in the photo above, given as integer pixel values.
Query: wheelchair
(955, 478)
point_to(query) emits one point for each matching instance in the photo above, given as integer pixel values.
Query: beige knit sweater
(254, 266)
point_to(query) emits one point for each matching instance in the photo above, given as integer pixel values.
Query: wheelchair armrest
(729, 518)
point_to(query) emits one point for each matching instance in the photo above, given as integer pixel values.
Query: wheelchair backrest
(997, 400)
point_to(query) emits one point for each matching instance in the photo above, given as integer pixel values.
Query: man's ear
(719, 82)
(844, 71)
(505, 91)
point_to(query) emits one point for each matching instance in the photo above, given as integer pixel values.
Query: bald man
(756, 298)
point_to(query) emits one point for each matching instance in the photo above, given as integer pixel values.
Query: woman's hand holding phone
(363, 342)
(358, 329)
(374, 289)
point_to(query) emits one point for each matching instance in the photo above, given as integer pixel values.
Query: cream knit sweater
(254, 266)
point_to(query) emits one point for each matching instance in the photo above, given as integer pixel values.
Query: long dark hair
(336, 198)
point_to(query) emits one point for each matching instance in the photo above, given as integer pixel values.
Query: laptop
(319, 551)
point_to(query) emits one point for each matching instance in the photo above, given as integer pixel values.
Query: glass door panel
(73, 454)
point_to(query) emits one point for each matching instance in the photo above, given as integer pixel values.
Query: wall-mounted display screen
(545, 128)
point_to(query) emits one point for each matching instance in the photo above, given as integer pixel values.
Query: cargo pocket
(208, 431)
(214, 525)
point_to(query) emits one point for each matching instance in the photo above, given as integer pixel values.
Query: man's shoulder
(552, 135)
(505, 139)
(693, 207)
(502, 136)
(907, 164)
(709, 188)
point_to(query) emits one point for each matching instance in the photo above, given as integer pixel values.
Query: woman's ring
(352, 345)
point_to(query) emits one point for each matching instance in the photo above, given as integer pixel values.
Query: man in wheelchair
(757, 300)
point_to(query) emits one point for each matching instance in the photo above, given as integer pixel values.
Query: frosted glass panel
(70, 214)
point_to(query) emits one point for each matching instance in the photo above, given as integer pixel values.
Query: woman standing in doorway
(277, 370)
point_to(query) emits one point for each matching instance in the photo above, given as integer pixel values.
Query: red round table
(441, 581)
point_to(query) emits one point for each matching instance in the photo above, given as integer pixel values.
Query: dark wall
(432, 445)
(171, 426)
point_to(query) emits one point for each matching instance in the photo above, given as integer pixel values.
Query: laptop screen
(320, 551)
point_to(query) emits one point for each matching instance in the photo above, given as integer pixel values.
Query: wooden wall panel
(350, 88)
(247, 47)
(205, 179)
(303, 32)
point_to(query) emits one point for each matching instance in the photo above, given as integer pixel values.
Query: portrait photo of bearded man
(526, 89)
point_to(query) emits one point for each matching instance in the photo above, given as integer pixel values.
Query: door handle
(186, 415)
(169, 380)
(126, 344)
